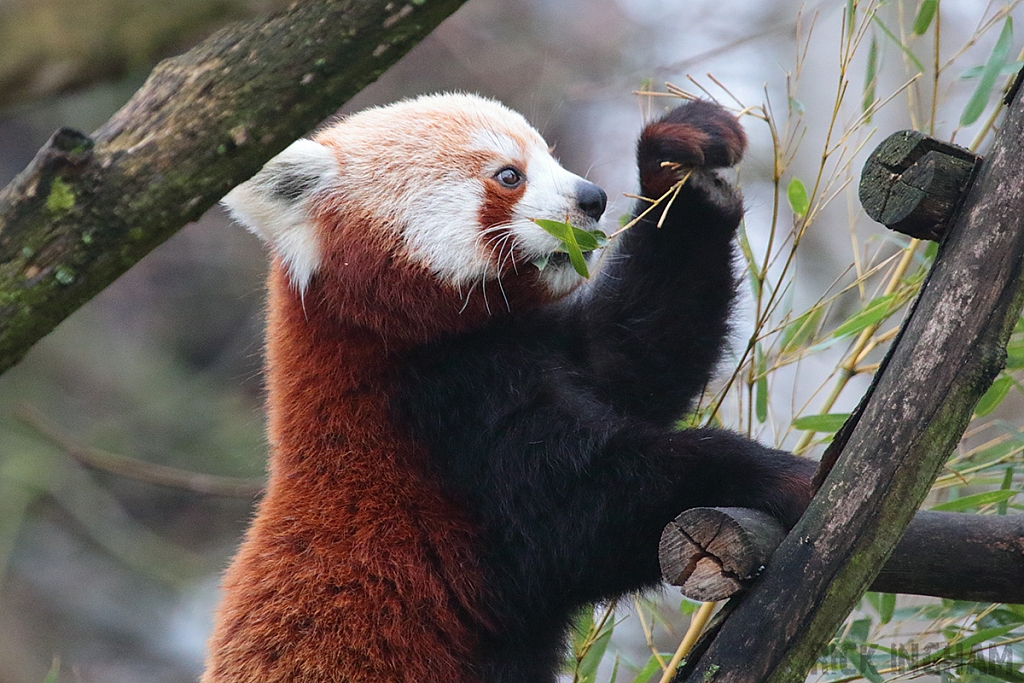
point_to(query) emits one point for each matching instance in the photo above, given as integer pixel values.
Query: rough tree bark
(950, 348)
(89, 207)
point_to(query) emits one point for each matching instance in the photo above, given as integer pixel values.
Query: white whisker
(496, 228)
(483, 290)
(465, 303)
(507, 239)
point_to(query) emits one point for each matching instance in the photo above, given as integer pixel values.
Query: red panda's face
(446, 183)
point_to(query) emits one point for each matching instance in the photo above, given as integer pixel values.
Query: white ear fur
(274, 203)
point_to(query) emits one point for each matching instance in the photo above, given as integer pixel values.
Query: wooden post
(914, 184)
(951, 347)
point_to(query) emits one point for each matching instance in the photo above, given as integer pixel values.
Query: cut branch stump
(914, 184)
(716, 553)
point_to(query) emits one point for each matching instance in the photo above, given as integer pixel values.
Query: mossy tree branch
(950, 348)
(89, 207)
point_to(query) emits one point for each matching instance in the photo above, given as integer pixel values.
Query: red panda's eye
(509, 177)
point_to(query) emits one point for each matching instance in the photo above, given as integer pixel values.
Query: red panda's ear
(274, 204)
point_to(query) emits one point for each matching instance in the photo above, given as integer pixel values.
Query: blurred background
(113, 567)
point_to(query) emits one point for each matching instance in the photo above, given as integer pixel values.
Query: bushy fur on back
(464, 451)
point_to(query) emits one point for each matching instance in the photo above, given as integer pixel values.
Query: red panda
(466, 448)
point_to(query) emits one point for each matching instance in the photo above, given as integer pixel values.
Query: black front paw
(792, 490)
(696, 135)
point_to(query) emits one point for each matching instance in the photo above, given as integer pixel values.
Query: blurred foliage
(55, 46)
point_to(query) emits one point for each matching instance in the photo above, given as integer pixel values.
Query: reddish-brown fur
(356, 566)
(496, 212)
(689, 144)
(687, 141)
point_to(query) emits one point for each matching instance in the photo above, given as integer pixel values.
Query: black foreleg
(658, 312)
(643, 479)
(590, 534)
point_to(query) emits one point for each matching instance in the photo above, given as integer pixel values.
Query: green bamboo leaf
(748, 256)
(824, 344)
(799, 331)
(688, 607)
(987, 455)
(979, 100)
(584, 240)
(1000, 672)
(650, 668)
(893, 37)
(556, 229)
(858, 631)
(575, 254)
(887, 605)
(1009, 69)
(958, 648)
(861, 662)
(582, 627)
(827, 423)
(977, 500)
(588, 240)
(574, 241)
(761, 386)
(54, 673)
(883, 603)
(875, 312)
(870, 79)
(586, 670)
(994, 396)
(924, 17)
(542, 261)
(1015, 354)
(796, 193)
(1005, 486)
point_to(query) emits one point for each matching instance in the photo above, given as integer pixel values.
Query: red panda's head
(417, 218)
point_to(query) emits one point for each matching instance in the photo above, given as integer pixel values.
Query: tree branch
(88, 208)
(716, 553)
(140, 470)
(950, 348)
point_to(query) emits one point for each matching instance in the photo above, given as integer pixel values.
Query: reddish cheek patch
(495, 215)
(499, 204)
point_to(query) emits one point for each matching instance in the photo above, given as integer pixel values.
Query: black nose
(591, 199)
